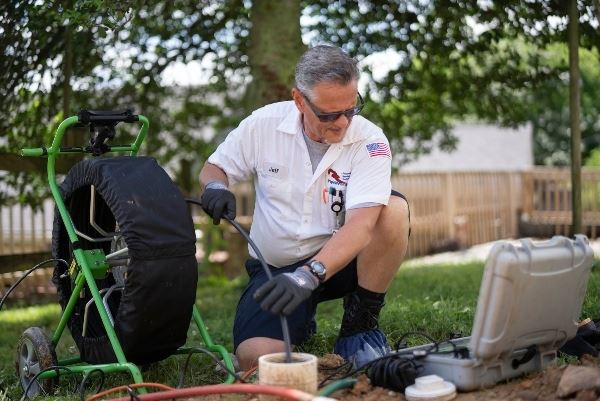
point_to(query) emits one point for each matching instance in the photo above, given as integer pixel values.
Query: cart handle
(93, 118)
(107, 117)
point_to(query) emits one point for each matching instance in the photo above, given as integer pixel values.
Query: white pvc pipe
(300, 374)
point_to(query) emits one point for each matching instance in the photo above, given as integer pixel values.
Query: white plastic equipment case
(529, 305)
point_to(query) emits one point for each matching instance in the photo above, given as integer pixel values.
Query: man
(324, 218)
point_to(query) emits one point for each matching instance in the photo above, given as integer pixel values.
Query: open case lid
(531, 294)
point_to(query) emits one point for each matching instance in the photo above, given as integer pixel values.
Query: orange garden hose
(160, 386)
(247, 374)
(286, 393)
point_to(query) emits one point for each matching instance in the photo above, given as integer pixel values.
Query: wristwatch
(318, 269)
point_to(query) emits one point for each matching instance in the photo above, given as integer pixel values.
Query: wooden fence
(547, 200)
(460, 209)
(447, 209)
(25, 230)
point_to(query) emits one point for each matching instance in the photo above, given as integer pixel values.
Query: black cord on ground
(459, 352)
(86, 378)
(37, 375)
(392, 371)
(400, 343)
(284, 326)
(132, 394)
(27, 273)
(397, 370)
(214, 357)
(345, 367)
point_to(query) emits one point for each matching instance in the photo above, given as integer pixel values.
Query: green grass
(437, 300)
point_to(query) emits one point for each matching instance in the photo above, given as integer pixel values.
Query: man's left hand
(283, 293)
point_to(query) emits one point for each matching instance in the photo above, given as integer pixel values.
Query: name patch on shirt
(379, 149)
(275, 170)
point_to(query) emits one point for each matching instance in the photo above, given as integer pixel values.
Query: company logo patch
(333, 174)
(334, 178)
(379, 149)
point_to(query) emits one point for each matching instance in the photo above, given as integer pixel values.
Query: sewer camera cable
(27, 273)
(284, 326)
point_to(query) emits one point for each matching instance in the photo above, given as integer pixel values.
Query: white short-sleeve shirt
(294, 213)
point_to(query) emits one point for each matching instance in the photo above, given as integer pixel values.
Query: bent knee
(397, 211)
(400, 205)
(251, 349)
(394, 220)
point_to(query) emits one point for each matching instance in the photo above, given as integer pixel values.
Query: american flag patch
(379, 149)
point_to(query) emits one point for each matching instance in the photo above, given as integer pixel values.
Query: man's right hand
(218, 203)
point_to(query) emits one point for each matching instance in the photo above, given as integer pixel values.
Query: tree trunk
(67, 70)
(574, 106)
(275, 46)
(185, 177)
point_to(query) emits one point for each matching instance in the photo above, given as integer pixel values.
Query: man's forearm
(211, 172)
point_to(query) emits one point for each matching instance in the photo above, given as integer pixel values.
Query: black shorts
(251, 321)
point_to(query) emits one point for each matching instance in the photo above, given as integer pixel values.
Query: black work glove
(283, 293)
(218, 202)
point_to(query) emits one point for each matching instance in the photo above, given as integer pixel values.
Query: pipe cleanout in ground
(300, 373)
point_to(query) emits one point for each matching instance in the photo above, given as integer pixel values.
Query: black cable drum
(153, 313)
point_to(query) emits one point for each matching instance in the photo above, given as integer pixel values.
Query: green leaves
(492, 61)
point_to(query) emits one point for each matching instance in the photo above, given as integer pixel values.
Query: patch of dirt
(539, 386)
(580, 381)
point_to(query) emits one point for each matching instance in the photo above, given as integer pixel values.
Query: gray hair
(324, 63)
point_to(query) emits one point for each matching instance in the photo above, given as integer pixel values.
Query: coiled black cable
(85, 379)
(398, 370)
(38, 374)
(394, 372)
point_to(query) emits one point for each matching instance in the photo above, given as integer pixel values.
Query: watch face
(318, 269)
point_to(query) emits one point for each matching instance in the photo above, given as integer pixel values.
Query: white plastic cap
(431, 387)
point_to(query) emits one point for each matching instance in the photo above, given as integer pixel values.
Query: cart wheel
(34, 354)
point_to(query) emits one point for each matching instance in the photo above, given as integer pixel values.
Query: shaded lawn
(438, 300)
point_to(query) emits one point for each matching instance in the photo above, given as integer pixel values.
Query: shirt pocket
(274, 179)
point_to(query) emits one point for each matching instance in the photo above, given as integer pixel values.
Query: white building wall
(481, 148)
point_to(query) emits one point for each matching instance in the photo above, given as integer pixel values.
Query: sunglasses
(331, 117)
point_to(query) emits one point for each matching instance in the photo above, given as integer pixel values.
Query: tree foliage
(37, 40)
(549, 112)
(457, 59)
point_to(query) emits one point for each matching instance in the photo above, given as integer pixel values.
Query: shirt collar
(292, 123)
